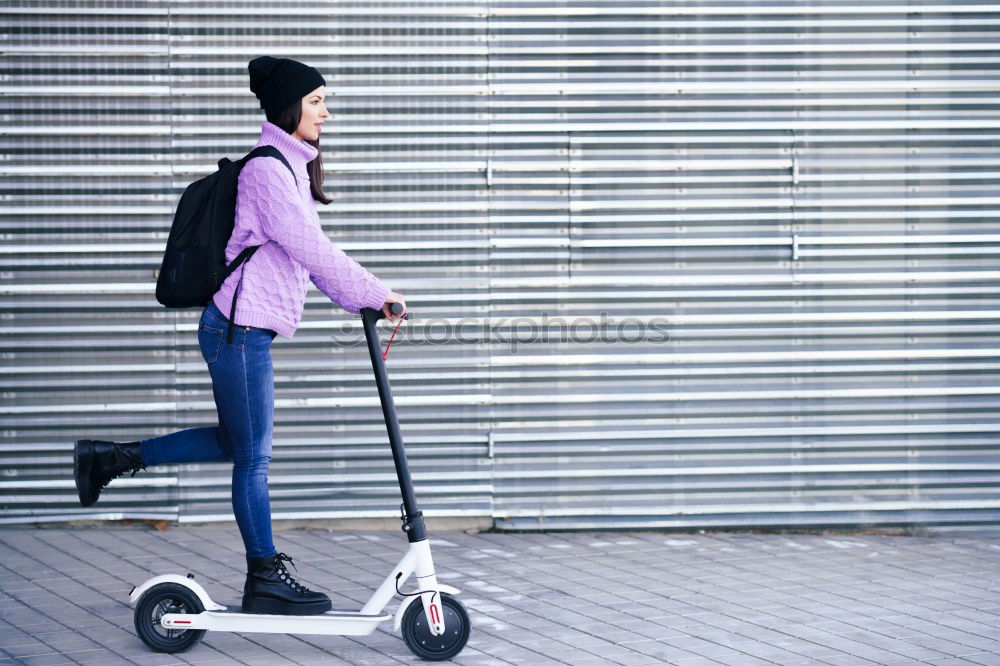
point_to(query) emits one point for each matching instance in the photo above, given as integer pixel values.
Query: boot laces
(284, 575)
(104, 484)
(134, 468)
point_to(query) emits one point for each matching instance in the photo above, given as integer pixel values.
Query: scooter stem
(413, 519)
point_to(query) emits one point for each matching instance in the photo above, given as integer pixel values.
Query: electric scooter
(173, 612)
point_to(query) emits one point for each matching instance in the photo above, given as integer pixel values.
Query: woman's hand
(393, 297)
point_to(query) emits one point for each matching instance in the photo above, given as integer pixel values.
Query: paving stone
(695, 661)
(99, 656)
(848, 660)
(660, 650)
(31, 648)
(984, 659)
(44, 660)
(743, 660)
(601, 661)
(143, 656)
(950, 648)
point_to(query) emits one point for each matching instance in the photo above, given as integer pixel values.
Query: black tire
(417, 633)
(156, 602)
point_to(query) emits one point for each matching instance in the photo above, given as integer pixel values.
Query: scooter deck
(236, 607)
(334, 622)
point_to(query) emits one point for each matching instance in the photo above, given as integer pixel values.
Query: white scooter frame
(173, 612)
(217, 617)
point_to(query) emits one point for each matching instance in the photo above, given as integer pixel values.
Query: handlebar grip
(377, 314)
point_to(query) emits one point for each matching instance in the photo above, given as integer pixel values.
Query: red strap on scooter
(385, 354)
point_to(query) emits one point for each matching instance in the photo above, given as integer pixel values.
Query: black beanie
(279, 82)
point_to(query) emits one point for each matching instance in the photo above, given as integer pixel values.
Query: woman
(275, 208)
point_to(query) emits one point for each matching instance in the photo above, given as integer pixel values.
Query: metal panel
(681, 266)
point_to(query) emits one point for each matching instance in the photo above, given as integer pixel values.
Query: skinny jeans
(243, 386)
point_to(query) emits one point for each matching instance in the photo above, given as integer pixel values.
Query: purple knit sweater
(278, 212)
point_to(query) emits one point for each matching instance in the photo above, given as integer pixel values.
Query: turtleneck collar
(298, 153)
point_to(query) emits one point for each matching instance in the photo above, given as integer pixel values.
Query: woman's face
(314, 113)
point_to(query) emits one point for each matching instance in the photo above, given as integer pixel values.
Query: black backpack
(194, 262)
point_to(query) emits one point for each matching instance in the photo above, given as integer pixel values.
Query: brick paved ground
(579, 598)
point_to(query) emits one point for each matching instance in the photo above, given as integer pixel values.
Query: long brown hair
(288, 120)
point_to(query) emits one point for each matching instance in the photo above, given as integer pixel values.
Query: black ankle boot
(96, 462)
(271, 590)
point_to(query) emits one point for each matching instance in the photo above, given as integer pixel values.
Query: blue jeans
(243, 385)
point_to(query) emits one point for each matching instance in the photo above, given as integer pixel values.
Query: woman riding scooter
(276, 210)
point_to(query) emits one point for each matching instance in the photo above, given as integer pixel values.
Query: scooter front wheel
(156, 602)
(417, 632)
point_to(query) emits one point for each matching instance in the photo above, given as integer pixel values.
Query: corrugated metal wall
(697, 265)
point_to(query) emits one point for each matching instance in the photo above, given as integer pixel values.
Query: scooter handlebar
(394, 308)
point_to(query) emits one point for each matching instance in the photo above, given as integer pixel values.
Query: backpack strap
(267, 151)
(247, 252)
(241, 258)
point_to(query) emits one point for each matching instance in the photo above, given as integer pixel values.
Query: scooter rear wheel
(156, 602)
(417, 632)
